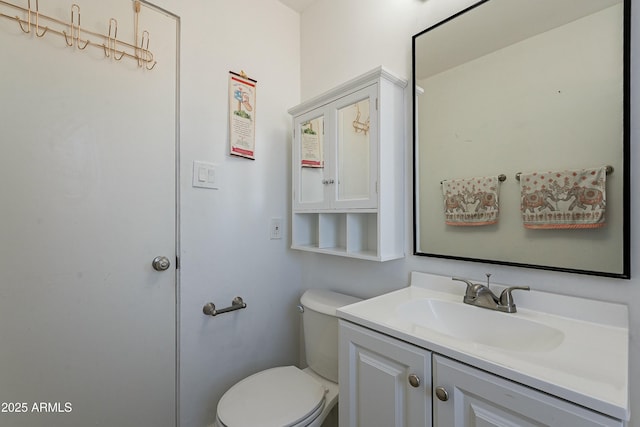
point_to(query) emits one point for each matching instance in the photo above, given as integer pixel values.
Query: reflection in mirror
(514, 86)
(353, 151)
(312, 161)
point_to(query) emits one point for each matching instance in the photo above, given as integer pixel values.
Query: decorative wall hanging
(76, 36)
(242, 115)
(311, 144)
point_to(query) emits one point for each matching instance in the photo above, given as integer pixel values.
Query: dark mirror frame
(626, 239)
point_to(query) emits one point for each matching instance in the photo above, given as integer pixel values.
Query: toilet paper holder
(210, 308)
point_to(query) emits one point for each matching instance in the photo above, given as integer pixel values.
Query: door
(88, 200)
(383, 382)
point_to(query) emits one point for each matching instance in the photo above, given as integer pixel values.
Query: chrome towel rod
(210, 308)
(609, 172)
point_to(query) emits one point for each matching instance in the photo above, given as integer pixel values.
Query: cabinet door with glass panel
(310, 183)
(335, 154)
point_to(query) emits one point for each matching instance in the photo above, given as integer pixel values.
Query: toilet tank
(320, 327)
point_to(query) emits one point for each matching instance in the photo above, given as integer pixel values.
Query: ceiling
(297, 5)
(493, 26)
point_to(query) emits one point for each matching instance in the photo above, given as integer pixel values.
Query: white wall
(226, 250)
(341, 39)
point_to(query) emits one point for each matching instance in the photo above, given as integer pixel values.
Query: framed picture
(242, 115)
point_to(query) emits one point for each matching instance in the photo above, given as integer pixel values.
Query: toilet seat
(278, 397)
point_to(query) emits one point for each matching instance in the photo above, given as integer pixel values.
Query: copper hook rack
(145, 56)
(76, 36)
(28, 21)
(110, 46)
(74, 30)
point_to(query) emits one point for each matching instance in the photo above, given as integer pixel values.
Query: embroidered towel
(563, 199)
(471, 202)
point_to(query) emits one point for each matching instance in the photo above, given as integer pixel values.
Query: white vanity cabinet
(466, 396)
(383, 382)
(348, 169)
(377, 389)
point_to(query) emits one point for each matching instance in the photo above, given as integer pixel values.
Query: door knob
(441, 393)
(414, 380)
(161, 263)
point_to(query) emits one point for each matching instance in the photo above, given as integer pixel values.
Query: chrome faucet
(481, 296)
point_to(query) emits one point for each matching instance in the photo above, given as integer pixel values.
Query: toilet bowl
(278, 397)
(287, 396)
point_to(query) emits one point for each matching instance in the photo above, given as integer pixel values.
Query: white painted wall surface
(225, 245)
(341, 39)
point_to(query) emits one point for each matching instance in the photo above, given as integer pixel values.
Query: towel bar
(210, 308)
(609, 172)
(502, 178)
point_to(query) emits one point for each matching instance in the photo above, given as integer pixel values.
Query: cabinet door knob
(441, 393)
(414, 380)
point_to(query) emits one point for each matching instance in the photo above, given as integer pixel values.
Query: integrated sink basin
(570, 347)
(481, 326)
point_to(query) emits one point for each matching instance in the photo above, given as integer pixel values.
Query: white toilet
(288, 396)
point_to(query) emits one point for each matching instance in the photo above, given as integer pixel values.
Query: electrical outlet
(275, 228)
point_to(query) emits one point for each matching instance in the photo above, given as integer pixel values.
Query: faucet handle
(471, 287)
(506, 299)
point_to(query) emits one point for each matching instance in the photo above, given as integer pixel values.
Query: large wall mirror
(525, 88)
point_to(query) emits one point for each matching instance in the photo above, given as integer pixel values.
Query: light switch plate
(205, 175)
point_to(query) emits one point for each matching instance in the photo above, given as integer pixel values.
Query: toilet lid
(277, 397)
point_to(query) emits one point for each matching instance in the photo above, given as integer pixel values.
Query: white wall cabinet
(348, 169)
(375, 390)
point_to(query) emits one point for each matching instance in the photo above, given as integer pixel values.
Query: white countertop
(589, 367)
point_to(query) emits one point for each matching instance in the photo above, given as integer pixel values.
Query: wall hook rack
(76, 36)
(144, 49)
(110, 47)
(74, 29)
(210, 308)
(28, 20)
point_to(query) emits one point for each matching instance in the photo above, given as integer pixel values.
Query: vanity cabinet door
(464, 396)
(384, 382)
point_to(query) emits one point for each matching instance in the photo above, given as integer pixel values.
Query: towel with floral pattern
(471, 201)
(571, 199)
